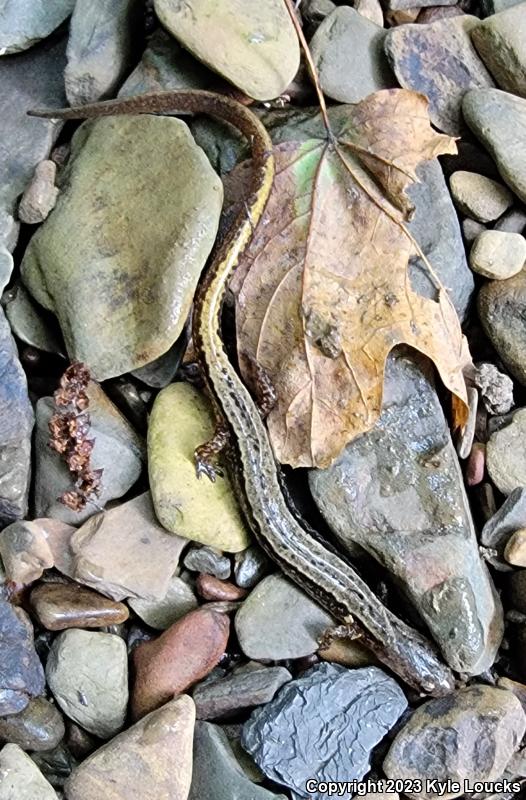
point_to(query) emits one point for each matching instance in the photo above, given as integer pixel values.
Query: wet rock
(501, 308)
(350, 710)
(210, 588)
(41, 195)
(181, 656)
(25, 551)
(20, 778)
(125, 283)
(217, 772)
(16, 423)
(495, 387)
(161, 371)
(39, 727)
(414, 52)
(102, 40)
(200, 510)
(160, 614)
(506, 456)
(118, 451)
(238, 692)
(55, 765)
(27, 321)
(257, 51)
(58, 606)
(29, 21)
(250, 566)
(207, 559)
(499, 40)
(479, 197)
(88, 675)
(398, 493)
(443, 739)
(498, 255)
(515, 550)
(348, 52)
(510, 517)
(498, 119)
(278, 621)
(21, 673)
(153, 758)
(348, 652)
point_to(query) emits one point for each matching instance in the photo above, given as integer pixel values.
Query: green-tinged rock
(160, 614)
(206, 512)
(251, 44)
(119, 257)
(30, 323)
(20, 778)
(39, 727)
(500, 43)
(25, 22)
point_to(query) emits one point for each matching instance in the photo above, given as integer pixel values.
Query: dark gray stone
(237, 692)
(510, 517)
(502, 309)
(21, 673)
(206, 559)
(324, 724)
(28, 21)
(250, 566)
(39, 727)
(397, 492)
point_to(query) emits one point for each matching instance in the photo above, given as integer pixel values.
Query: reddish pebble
(211, 588)
(476, 464)
(182, 655)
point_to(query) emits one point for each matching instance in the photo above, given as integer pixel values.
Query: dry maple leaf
(323, 292)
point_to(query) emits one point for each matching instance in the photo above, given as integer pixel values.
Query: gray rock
(101, 44)
(498, 119)
(278, 621)
(506, 455)
(501, 308)
(498, 255)
(348, 52)
(513, 221)
(55, 765)
(217, 772)
(471, 229)
(496, 388)
(25, 551)
(349, 711)
(21, 673)
(39, 727)
(510, 517)
(500, 43)
(118, 451)
(398, 493)
(372, 10)
(16, 423)
(206, 559)
(30, 323)
(244, 689)
(160, 614)
(470, 734)
(489, 7)
(517, 594)
(414, 52)
(20, 778)
(31, 80)
(88, 674)
(479, 197)
(250, 566)
(40, 195)
(160, 372)
(28, 21)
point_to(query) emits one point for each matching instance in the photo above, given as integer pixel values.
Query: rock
(501, 308)
(210, 588)
(506, 456)
(349, 710)
(257, 51)
(30, 323)
(371, 10)
(513, 221)
(41, 195)
(349, 652)
(495, 387)
(238, 692)
(118, 451)
(30, 21)
(476, 464)
(510, 517)
(134, 284)
(434, 13)
(161, 371)
(88, 675)
(442, 739)
(217, 772)
(278, 621)
(16, 423)
(20, 778)
(58, 606)
(479, 197)
(181, 656)
(125, 552)
(498, 119)
(499, 40)
(160, 614)
(153, 759)
(102, 40)
(467, 432)
(21, 673)
(515, 550)
(470, 227)
(31, 80)
(414, 52)
(39, 727)
(59, 535)
(348, 53)
(403, 476)
(200, 510)
(250, 566)
(517, 591)
(207, 559)
(25, 551)
(498, 255)
(489, 7)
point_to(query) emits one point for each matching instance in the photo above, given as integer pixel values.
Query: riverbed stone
(510, 517)
(88, 674)
(250, 566)
(501, 308)
(198, 509)
(38, 728)
(506, 455)
(242, 690)
(278, 620)
(152, 759)
(30, 323)
(498, 255)
(349, 55)
(209, 560)
(119, 266)
(160, 614)
(21, 673)
(40, 195)
(496, 388)
(515, 550)
(470, 734)
(479, 197)
(20, 777)
(25, 551)
(58, 606)
(350, 710)
(403, 477)
(499, 40)
(257, 50)
(28, 21)
(498, 119)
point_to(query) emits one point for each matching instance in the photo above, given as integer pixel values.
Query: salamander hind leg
(206, 455)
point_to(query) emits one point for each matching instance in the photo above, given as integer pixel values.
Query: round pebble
(497, 254)
(515, 550)
(479, 197)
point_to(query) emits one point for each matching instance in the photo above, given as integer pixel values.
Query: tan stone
(515, 550)
(479, 197)
(25, 551)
